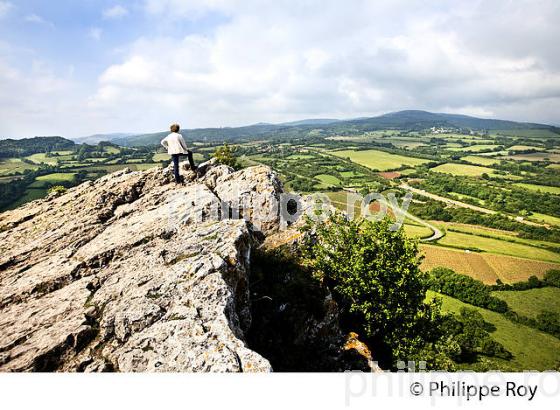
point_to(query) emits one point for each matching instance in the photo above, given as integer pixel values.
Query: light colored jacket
(175, 144)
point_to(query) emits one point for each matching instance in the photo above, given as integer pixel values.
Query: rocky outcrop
(129, 273)
(134, 273)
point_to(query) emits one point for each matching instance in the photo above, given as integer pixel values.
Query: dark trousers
(175, 158)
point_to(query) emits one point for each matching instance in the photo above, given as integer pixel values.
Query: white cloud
(35, 101)
(95, 33)
(5, 7)
(115, 12)
(35, 18)
(288, 60)
(292, 60)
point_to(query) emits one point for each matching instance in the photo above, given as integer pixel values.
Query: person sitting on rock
(176, 146)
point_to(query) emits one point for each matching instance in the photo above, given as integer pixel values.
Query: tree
(375, 277)
(226, 155)
(552, 277)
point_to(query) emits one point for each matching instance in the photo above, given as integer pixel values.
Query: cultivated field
(478, 160)
(523, 148)
(462, 169)
(536, 156)
(476, 148)
(379, 160)
(485, 267)
(492, 245)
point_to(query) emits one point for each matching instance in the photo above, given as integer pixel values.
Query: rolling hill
(401, 120)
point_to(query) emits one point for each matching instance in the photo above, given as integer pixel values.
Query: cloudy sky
(76, 68)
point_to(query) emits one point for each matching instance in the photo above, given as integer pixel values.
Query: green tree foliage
(226, 155)
(552, 278)
(374, 274)
(465, 288)
(29, 146)
(472, 334)
(57, 190)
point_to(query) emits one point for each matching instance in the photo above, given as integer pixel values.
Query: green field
(477, 160)
(410, 144)
(552, 220)
(533, 301)
(417, 231)
(111, 150)
(495, 233)
(523, 148)
(540, 188)
(328, 180)
(300, 156)
(379, 160)
(42, 158)
(10, 166)
(531, 349)
(536, 156)
(56, 177)
(476, 148)
(492, 245)
(161, 157)
(530, 133)
(462, 169)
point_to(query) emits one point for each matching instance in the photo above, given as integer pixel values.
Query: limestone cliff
(134, 273)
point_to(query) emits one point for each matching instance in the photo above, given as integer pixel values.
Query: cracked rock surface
(133, 273)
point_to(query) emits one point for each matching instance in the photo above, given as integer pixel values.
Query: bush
(465, 288)
(532, 283)
(552, 278)
(549, 322)
(226, 155)
(57, 190)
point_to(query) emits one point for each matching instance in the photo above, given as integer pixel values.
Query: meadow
(538, 217)
(539, 188)
(531, 302)
(378, 160)
(531, 348)
(9, 166)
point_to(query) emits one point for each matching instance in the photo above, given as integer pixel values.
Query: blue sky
(75, 68)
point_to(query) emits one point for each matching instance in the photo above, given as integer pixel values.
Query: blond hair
(174, 127)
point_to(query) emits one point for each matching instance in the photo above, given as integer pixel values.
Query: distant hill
(96, 138)
(29, 146)
(401, 120)
(317, 121)
(411, 119)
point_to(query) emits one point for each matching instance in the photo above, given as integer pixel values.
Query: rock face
(131, 273)
(134, 273)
